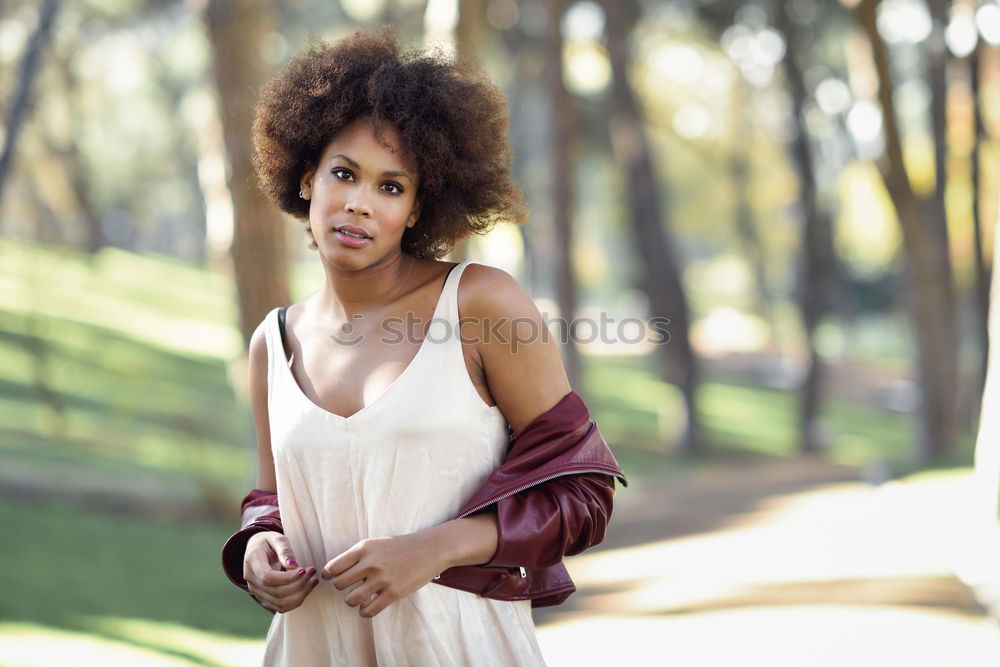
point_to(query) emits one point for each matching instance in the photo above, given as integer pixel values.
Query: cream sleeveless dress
(407, 461)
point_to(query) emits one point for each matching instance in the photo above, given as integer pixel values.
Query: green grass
(115, 370)
(142, 581)
(641, 416)
(63, 563)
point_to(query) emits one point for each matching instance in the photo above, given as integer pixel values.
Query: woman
(414, 421)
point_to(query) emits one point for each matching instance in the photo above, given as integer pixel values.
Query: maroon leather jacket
(553, 497)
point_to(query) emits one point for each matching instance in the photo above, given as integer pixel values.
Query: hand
(272, 573)
(383, 570)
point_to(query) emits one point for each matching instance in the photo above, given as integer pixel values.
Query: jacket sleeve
(562, 517)
(260, 513)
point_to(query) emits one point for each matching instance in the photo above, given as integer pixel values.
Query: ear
(414, 213)
(306, 183)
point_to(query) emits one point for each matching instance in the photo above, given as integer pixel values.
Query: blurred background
(806, 189)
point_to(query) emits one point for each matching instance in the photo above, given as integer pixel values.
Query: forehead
(358, 141)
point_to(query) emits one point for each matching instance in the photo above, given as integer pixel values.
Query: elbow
(538, 527)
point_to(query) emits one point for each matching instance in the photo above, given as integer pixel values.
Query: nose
(359, 207)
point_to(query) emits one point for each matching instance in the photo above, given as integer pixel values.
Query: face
(362, 196)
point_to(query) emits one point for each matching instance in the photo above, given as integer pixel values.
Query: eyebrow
(355, 165)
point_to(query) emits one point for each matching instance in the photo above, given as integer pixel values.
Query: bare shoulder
(490, 292)
(258, 346)
(519, 356)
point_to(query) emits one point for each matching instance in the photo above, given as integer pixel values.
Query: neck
(346, 293)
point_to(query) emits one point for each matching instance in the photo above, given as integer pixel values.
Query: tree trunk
(660, 271)
(739, 179)
(29, 70)
(816, 261)
(930, 298)
(562, 124)
(260, 261)
(72, 160)
(470, 32)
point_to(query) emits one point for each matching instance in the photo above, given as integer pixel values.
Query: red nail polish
(300, 573)
(312, 571)
(315, 581)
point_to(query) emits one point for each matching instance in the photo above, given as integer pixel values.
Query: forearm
(468, 541)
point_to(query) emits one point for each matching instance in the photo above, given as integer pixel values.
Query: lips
(351, 229)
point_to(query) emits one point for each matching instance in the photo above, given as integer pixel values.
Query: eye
(342, 173)
(393, 188)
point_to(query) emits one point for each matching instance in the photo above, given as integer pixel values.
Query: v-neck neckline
(394, 383)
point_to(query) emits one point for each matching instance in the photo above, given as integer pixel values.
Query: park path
(788, 563)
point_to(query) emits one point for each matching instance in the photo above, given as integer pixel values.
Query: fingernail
(291, 561)
(312, 571)
(300, 573)
(315, 581)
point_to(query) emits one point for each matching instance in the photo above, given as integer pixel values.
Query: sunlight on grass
(122, 641)
(174, 306)
(28, 645)
(171, 637)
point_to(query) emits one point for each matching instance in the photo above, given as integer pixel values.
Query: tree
(29, 70)
(258, 250)
(817, 258)
(660, 267)
(930, 299)
(562, 122)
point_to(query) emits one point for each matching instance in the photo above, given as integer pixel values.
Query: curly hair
(451, 120)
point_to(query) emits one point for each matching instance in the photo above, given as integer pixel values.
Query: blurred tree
(236, 31)
(470, 32)
(563, 124)
(29, 70)
(925, 240)
(70, 156)
(739, 178)
(660, 269)
(817, 261)
(186, 155)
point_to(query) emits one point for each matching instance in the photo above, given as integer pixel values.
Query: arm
(258, 558)
(525, 374)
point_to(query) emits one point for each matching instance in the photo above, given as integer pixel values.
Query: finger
(286, 579)
(258, 563)
(283, 549)
(285, 598)
(300, 582)
(361, 593)
(342, 563)
(265, 598)
(291, 598)
(371, 607)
